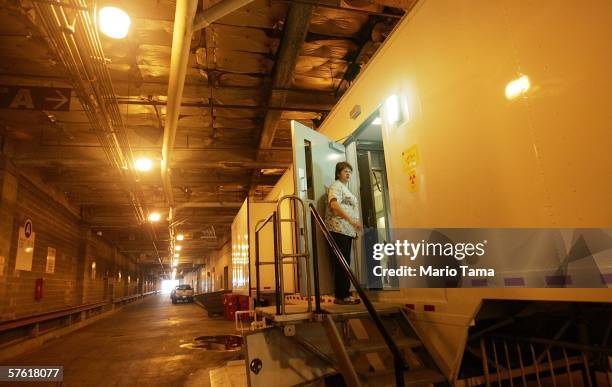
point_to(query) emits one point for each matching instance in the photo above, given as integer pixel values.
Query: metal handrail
(262, 223)
(126, 298)
(46, 316)
(398, 359)
(58, 313)
(299, 253)
(258, 227)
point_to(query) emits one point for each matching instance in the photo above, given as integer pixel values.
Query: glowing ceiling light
(144, 164)
(176, 255)
(392, 109)
(180, 237)
(178, 248)
(114, 22)
(154, 217)
(377, 121)
(517, 87)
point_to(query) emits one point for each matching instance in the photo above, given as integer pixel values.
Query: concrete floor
(139, 345)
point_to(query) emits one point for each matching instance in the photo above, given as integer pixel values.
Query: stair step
(412, 378)
(368, 346)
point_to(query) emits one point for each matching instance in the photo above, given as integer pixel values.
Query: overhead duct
(186, 22)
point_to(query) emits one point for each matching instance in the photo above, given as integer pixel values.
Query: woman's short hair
(340, 166)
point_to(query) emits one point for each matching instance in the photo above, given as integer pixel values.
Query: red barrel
(233, 303)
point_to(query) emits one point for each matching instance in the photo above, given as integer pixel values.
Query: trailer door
(314, 160)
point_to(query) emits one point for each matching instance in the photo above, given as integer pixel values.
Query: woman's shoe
(347, 301)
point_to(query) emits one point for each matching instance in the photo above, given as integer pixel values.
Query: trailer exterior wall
(486, 161)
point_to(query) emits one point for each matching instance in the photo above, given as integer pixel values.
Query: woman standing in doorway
(342, 220)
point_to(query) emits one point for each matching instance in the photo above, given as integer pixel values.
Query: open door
(314, 160)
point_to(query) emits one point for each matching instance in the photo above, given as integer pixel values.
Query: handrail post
(276, 265)
(298, 251)
(304, 235)
(315, 267)
(257, 287)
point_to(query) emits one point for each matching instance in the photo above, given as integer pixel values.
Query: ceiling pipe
(186, 22)
(181, 42)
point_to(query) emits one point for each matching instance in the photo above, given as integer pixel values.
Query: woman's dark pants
(341, 280)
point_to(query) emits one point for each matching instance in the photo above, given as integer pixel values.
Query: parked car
(182, 293)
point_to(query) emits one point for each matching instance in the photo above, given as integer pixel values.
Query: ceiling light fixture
(180, 237)
(144, 164)
(178, 248)
(114, 22)
(154, 217)
(392, 109)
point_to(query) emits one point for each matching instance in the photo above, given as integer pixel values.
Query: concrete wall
(217, 260)
(56, 226)
(195, 279)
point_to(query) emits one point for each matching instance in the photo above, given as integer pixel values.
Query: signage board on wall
(25, 246)
(50, 267)
(35, 98)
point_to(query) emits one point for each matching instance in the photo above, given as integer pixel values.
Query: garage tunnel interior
(164, 177)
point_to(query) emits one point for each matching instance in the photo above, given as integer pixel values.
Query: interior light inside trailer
(178, 248)
(377, 121)
(517, 87)
(176, 255)
(144, 164)
(392, 109)
(154, 217)
(180, 237)
(114, 22)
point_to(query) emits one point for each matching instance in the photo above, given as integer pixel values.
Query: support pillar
(82, 269)
(8, 207)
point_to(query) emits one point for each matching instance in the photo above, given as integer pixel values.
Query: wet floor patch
(220, 343)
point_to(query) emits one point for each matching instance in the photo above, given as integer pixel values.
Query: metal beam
(278, 109)
(296, 27)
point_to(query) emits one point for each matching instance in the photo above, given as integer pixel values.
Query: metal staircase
(364, 358)
(355, 345)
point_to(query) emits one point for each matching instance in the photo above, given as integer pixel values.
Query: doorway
(315, 157)
(365, 151)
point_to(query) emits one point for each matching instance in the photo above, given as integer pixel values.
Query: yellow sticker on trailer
(410, 157)
(413, 180)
